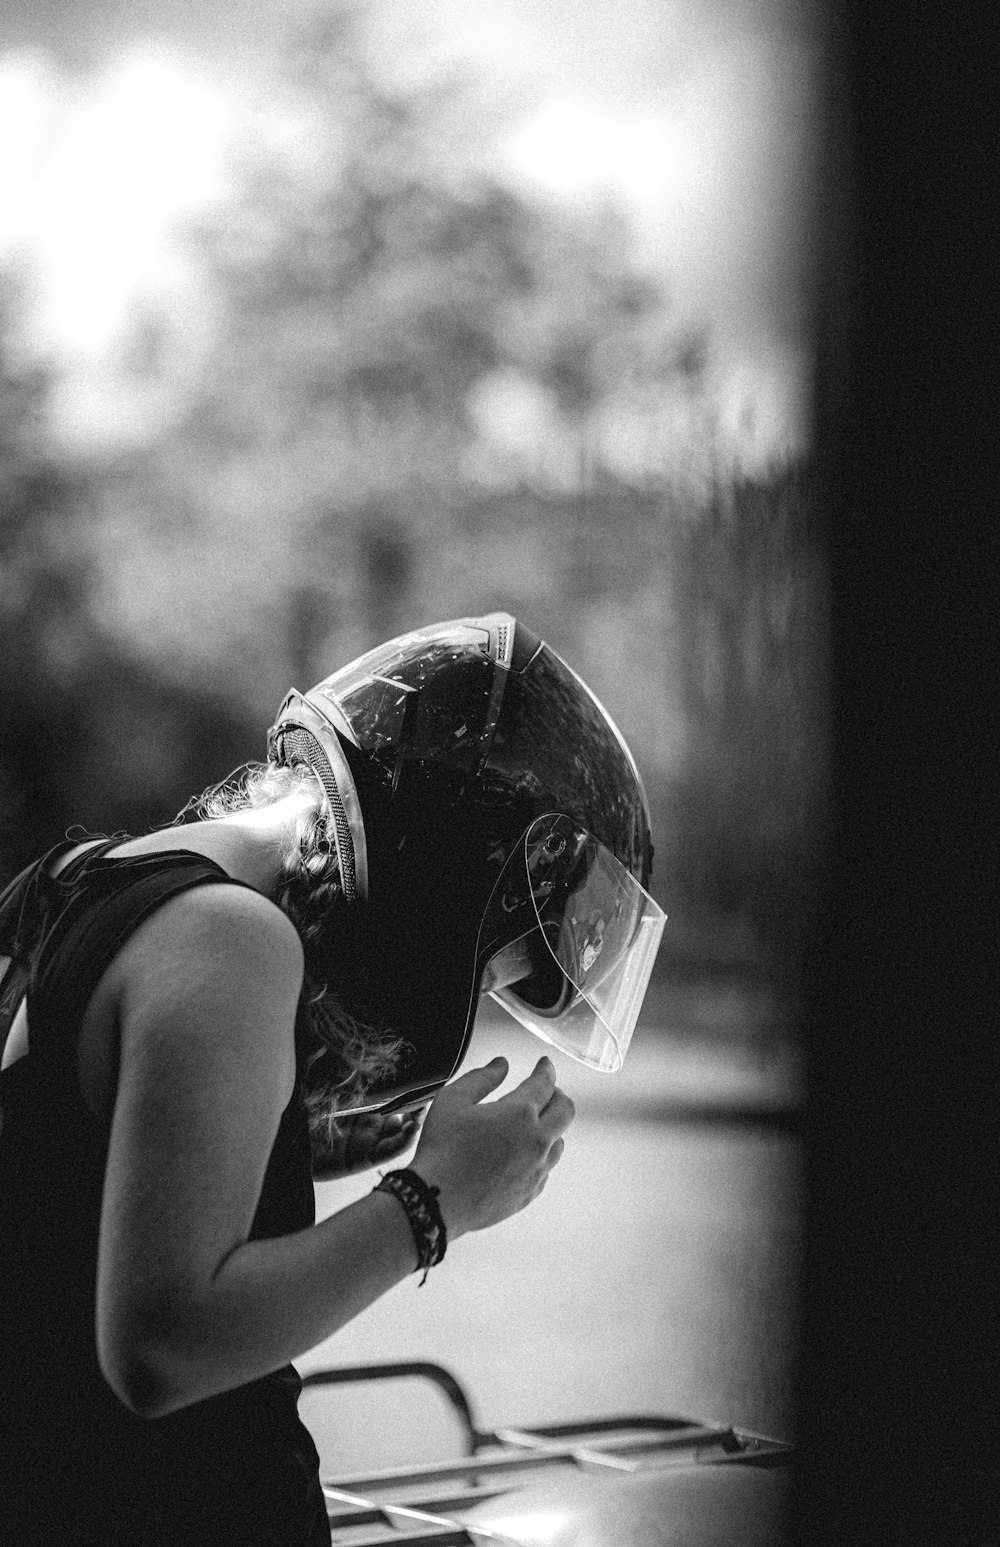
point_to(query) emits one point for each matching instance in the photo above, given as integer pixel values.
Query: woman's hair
(339, 1052)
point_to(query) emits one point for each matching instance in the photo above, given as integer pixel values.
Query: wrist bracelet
(423, 1213)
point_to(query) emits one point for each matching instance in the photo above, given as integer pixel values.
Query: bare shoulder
(221, 926)
(220, 958)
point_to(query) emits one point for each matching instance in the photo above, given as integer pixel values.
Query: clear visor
(593, 922)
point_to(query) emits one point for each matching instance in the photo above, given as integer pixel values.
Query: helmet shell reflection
(445, 745)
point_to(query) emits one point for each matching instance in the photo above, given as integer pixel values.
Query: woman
(214, 1017)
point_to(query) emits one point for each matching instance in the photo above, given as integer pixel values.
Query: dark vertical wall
(900, 1375)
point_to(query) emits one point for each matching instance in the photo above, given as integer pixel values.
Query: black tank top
(75, 1465)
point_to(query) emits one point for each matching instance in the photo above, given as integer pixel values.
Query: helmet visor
(595, 925)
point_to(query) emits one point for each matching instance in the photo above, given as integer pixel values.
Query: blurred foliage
(90, 733)
(370, 290)
(327, 466)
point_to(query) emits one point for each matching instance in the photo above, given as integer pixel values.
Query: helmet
(480, 795)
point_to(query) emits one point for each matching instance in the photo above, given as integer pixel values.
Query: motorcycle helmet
(481, 796)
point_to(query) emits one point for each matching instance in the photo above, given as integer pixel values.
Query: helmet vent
(502, 635)
(299, 746)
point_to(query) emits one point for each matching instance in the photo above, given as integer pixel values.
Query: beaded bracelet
(423, 1213)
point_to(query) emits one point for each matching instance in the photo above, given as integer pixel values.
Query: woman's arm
(187, 1306)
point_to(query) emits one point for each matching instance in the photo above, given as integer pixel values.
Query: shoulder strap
(100, 909)
(22, 910)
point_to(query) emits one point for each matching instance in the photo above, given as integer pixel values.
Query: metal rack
(424, 1504)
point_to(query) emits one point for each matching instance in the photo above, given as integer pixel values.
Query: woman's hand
(354, 1144)
(490, 1159)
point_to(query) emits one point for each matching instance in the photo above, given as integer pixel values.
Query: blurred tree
(88, 734)
(371, 289)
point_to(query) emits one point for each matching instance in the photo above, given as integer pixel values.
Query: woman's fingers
(399, 1133)
(538, 1087)
(388, 1149)
(371, 1139)
(491, 1158)
(557, 1114)
(555, 1109)
(476, 1084)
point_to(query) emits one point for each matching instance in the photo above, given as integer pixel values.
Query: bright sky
(699, 121)
(90, 184)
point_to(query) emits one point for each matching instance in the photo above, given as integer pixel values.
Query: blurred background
(322, 320)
